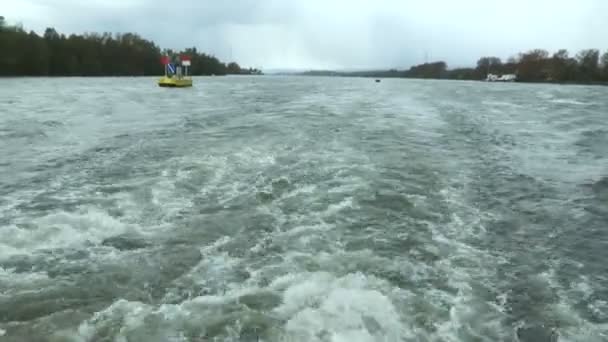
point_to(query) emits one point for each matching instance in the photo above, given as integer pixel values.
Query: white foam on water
(211, 248)
(2, 332)
(135, 321)
(277, 214)
(574, 328)
(569, 101)
(61, 229)
(472, 319)
(355, 306)
(348, 184)
(166, 199)
(214, 268)
(172, 200)
(251, 156)
(547, 95)
(10, 279)
(320, 306)
(17, 198)
(317, 306)
(467, 221)
(599, 308)
(335, 208)
(313, 304)
(303, 190)
(501, 104)
(304, 293)
(231, 174)
(351, 308)
(219, 165)
(123, 313)
(231, 191)
(572, 325)
(467, 268)
(583, 288)
(308, 229)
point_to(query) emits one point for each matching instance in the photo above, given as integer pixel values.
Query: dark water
(302, 209)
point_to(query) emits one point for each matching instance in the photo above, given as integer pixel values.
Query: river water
(302, 209)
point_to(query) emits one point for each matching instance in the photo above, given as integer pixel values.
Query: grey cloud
(334, 34)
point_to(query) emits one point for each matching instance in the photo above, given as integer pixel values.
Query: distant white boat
(502, 78)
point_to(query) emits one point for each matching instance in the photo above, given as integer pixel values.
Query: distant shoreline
(566, 83)
(120, 76)
(348, 74)
(588, 67)
(98, 55)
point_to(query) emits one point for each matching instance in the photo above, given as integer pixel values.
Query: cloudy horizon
(338, 34)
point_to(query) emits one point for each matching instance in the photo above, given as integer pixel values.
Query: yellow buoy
(176, 76)
(173, 82)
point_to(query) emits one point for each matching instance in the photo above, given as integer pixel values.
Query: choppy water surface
(302, 209)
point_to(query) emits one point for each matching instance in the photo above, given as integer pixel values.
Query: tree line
(539, 66)
(533, 66)
(93, 54)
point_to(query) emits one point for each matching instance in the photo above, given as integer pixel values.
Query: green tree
(428, 70)
(563, 68)
(604, 63)
(588, 62)
(233, 68)
(34, 60)
(58, 56)
(8, 57)
(464, 74)
(534, 66)
(513, 60)
(489, 65)
(50, 34)
(89, 54)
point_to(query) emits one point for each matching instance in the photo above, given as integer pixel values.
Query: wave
(60, 230)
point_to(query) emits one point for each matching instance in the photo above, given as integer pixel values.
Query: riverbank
(389, 74)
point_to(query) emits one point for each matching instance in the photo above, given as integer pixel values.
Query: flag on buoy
(171, 68)
(185, 60)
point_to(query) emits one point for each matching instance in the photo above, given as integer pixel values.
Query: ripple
(305, 209)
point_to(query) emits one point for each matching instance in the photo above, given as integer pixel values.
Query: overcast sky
(333, 34)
